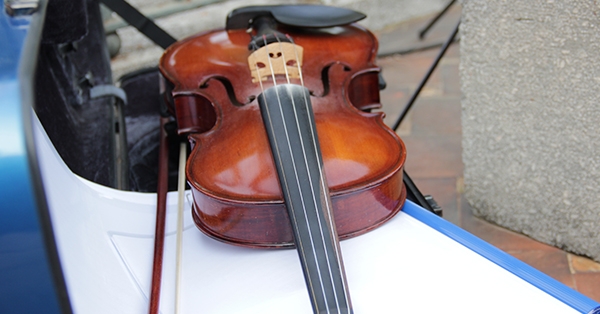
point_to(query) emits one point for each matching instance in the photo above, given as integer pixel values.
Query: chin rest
(305, 16)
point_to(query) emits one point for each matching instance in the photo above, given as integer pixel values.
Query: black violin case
(105, 131)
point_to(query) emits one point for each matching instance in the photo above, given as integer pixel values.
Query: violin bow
(180, 200)
(161, 211)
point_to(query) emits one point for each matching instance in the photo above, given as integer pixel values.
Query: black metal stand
(416, 93)
(435, 19)
(413, 193)
(145, 25)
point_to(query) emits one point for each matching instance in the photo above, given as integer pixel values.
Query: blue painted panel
(548, 284)
(26, 277)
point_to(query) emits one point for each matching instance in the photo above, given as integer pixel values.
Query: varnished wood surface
(231, 170)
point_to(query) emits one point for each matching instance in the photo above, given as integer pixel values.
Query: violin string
(324, 186)
(287, 75)
(285, 182)
(298, 65)
(287, 136)
(262, 90)
(315, 201)
(270, 64)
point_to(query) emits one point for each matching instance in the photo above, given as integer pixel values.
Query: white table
(415, 263)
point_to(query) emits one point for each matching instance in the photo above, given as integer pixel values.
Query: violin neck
(290, 124)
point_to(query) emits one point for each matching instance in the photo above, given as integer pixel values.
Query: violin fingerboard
(289, 120)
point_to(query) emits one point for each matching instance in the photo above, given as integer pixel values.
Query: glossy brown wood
(161, 215)
(236, 192)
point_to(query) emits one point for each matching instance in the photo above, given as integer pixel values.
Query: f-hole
(325, 77)
(228, 88)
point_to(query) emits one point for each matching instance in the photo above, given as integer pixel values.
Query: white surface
(105, 241)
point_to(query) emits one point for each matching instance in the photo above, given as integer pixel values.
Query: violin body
(237, 195)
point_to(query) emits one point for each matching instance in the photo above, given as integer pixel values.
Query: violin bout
(212, 88)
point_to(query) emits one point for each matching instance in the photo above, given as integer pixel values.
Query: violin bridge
(278, 58)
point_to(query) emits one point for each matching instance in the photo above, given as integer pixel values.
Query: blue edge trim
(542, 281)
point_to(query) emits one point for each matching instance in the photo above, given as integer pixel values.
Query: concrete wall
(530, 75)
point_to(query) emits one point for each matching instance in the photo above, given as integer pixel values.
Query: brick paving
(432, 134)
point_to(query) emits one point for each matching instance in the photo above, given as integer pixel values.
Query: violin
(285, 151)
